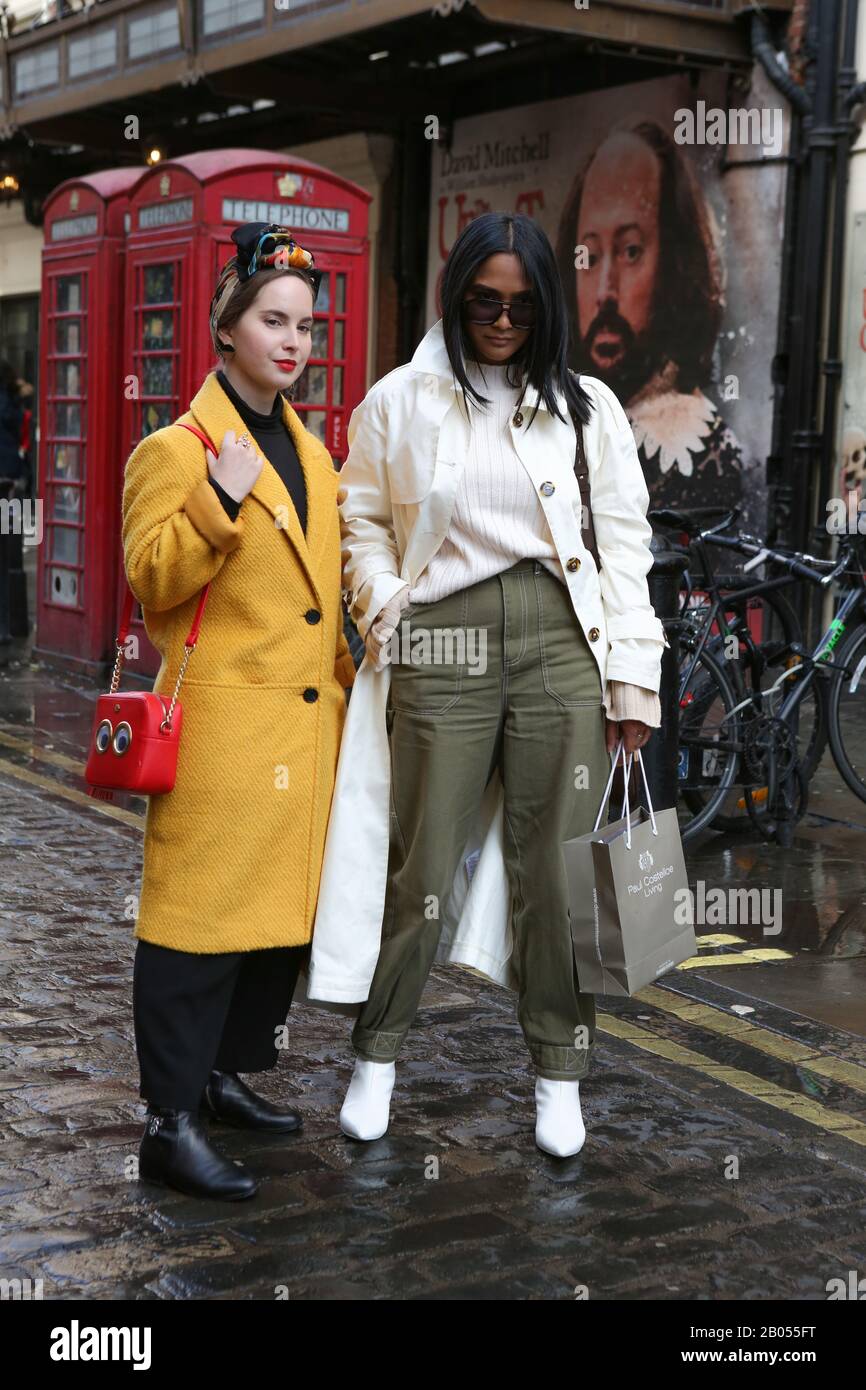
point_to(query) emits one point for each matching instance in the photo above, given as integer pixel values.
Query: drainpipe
(846, 132)
(778, 477)
(414, 219)
(820, 133)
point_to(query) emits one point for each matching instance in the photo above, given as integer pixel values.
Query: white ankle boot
(559, 1127)
(365, 1110)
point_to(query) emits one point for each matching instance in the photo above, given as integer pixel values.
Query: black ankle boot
(227, 1098)
(176, 1152)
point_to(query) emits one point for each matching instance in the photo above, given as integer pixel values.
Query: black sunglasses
(484, 309)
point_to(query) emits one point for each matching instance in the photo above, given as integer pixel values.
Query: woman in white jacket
(516, 666)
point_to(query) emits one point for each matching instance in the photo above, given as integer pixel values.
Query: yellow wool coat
(233, 855)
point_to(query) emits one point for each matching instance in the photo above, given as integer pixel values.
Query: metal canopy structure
(319, 69)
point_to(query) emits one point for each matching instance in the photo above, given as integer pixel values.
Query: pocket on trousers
(427, 673)
(568, 667)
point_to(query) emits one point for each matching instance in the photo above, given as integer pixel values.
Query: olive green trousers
(521, 692)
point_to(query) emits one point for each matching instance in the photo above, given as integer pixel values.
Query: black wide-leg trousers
(195, 1012)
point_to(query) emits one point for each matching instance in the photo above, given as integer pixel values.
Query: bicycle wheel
(708, 745)
(847, 713)
(759, 663)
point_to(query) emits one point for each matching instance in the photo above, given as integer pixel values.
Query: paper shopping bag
(629, 901)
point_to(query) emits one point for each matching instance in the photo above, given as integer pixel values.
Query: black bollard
(660, 754)
(5, 559)
(19, 620)
(14, 620)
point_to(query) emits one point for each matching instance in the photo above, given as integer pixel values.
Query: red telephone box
(181, 217)
(81, 399)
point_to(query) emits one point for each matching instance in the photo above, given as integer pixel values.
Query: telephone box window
(323, 298)
(68, 293)
(157, 376)
(158, 284)
(66, 460)
(67, 379)
(322, 384)
(64, 416)
(158, 331)
(67, 504)
(313, 386)
(64, 545)
(320, 338)
(157, 351)
(67, 420)
(316, 422)
(68, 335)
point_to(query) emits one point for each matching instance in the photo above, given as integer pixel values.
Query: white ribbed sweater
(497, 520)
(497, 517)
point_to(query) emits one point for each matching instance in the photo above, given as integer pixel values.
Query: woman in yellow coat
(233, 855)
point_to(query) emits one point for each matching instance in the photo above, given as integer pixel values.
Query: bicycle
(728, 728)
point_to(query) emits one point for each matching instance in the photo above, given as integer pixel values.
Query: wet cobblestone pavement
(725, 1107)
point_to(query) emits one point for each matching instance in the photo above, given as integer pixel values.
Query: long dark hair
(543, 359)
(687, 303)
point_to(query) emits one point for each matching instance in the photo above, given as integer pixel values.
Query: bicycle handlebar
(803, 565)
(796, 563)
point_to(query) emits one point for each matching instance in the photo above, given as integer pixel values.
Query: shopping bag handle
(605, 796)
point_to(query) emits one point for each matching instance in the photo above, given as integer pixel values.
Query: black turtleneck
(277, 445)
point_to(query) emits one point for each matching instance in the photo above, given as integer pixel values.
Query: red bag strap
(129, 600)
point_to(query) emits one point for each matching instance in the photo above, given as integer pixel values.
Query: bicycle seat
(692, 522)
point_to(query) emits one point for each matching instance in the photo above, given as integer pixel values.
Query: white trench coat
(408, 442)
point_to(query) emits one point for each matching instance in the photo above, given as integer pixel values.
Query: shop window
(218, 16)
(93, 52)
(152, 33)
(36, 71)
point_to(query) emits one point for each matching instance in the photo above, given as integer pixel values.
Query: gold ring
(244, 440)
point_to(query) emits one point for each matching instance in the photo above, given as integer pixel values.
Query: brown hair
(239, 299)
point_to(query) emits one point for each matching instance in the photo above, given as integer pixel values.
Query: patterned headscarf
(261, 246)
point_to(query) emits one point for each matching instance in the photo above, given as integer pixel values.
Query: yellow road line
(43, 755)
(35, 779)
(720, 939)
(753, 957)
(803, 1107)
(716, 1020)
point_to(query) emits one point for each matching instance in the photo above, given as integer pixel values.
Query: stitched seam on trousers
(523, 613)
(504, 683)
(519, 878)
(388, 922)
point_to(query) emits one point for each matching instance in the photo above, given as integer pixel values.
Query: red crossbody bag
(135, 737)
